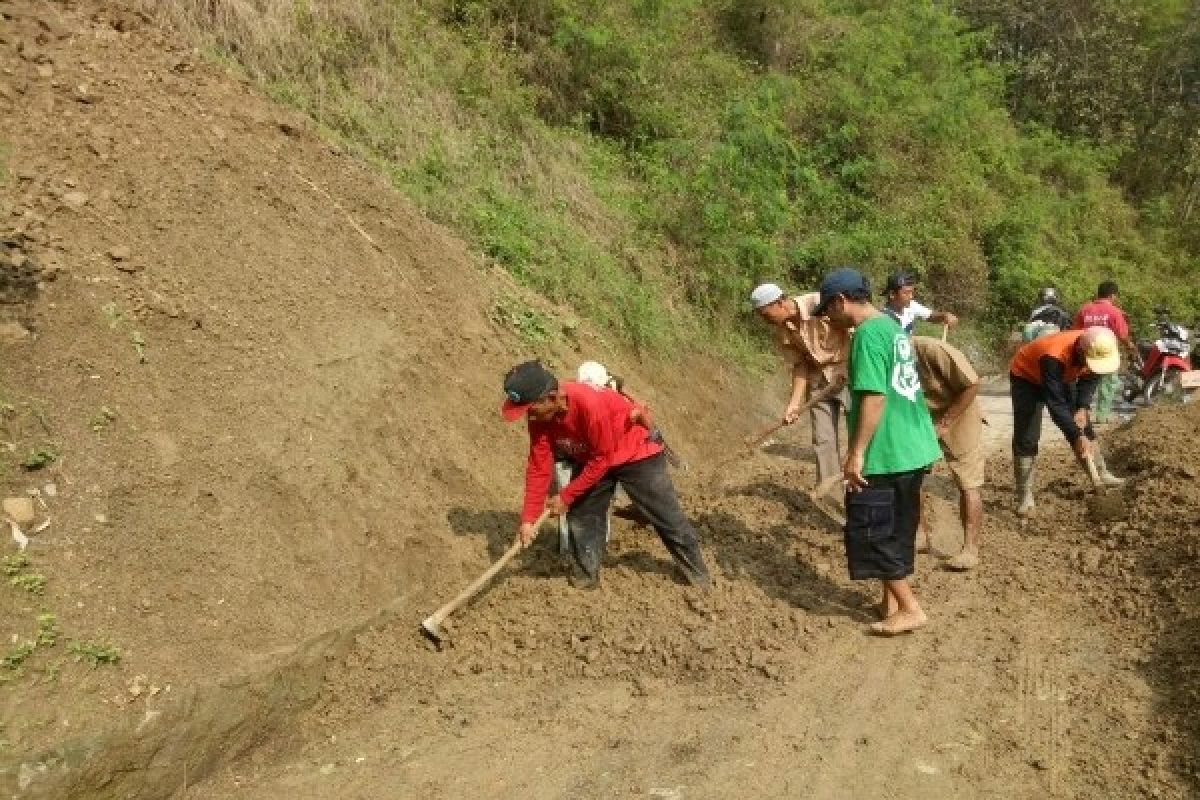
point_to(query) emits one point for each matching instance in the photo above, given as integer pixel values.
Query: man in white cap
(1058, 372)
(816, 353)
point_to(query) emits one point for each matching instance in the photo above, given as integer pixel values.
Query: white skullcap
(593, 373)
(764, 295)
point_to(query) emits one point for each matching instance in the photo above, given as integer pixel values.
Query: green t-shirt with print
(882, 362)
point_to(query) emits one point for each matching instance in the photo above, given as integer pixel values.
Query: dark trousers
(881, 526)
(1028, 403)
(648, 485)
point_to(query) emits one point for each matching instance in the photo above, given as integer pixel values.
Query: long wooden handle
(945, 331)
(466, 594)
(820, 397)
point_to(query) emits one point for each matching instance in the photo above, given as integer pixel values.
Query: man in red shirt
(1103, 312)
(608, 439)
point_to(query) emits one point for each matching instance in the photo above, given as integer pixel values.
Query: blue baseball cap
(840, 281)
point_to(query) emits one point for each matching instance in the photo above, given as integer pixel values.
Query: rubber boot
(1024, 470)
(1106, 477)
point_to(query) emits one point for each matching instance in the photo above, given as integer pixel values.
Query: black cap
(898, 280)
(524, 384)
(840, 281)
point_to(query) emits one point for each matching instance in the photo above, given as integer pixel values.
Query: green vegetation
(648, 162)
(32, 582)
(40, 457)
(113, 315)
(13, 564)
(532, 325)
(94, 653)
(47, 635)
(102, 419)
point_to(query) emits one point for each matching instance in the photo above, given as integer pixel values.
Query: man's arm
(956, 409)
(538, 470)
(870, 412)
(1058, 403)
(944, 317)
(799, 392)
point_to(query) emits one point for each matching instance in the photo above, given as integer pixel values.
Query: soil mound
(254, 392)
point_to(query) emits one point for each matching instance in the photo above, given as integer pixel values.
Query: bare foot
(900, 622)
(966, 560)
(885, 610)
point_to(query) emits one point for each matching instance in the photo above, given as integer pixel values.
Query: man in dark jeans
(610, 437)
(1058, 372)
(892, 444)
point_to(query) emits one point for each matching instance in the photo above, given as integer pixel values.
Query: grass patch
(649, 162)
(39, 458)
(94, 653)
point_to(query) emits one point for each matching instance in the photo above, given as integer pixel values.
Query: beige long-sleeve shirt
(811, 343)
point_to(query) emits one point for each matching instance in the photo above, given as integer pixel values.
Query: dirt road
(769, 689)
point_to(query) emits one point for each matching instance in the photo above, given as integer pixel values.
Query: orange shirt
(1059, 346)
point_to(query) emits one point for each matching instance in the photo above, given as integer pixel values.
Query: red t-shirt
(1103, 313)
(596, 431)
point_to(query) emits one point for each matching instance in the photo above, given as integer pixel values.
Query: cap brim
(1104, 366)
(513, 411)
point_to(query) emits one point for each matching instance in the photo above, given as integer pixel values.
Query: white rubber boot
(1106, 477)
(1024, 471)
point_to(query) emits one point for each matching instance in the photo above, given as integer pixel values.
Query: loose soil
(301, 375)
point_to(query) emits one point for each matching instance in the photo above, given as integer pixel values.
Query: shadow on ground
(765, 556)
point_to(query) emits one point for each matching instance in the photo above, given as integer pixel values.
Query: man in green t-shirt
(892, 444)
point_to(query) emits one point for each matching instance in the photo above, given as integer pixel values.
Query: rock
(119, 253)
(84, 94)
(12, 332)
(75, 200)
(45, 71)
(50, 490)
(20, 510)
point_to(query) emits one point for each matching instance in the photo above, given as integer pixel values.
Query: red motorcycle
(1163, 368)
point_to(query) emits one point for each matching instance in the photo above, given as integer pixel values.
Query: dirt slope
(301, 374)
(270, 385)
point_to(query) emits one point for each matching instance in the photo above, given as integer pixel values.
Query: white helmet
(593, 373)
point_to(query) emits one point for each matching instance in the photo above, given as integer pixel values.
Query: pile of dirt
(774, 563)
(1160, 451)
(259, 399)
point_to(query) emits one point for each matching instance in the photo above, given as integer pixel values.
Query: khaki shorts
(968, 470)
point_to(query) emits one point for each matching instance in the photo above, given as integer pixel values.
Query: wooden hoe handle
(820, 397)
(436, 618)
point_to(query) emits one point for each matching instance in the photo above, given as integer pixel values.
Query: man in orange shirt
(1058, 372)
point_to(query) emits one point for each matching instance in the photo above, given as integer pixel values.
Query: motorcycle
(1163, 368)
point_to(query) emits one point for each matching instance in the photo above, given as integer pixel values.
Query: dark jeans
(1028, 404)
(648, 485)
(881, 526)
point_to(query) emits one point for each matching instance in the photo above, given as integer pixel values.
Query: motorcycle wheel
(1165, 385)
